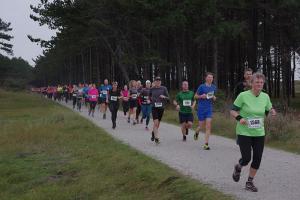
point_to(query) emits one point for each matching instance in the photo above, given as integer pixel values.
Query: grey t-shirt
(155, 92)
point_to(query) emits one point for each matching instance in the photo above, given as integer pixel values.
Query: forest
(139, 39)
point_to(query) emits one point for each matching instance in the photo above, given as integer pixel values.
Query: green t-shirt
(185, 101)
(252, 109)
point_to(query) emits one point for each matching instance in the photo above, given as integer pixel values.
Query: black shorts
(93, 104)
(102, 100)
(133, 103)
(185, 117)
(157, 113)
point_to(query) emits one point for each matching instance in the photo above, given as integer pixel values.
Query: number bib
(158, 104)
(187, 102)
(104, 92)
(134, 96)
(210, 95)
(113, 98)
(94, 96)
(74, 95)
(255, 122)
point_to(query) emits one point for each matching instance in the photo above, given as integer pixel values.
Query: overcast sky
(17, 12)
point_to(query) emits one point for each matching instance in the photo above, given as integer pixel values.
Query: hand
(203, 96)
(148, 101)
(162, 96)
(243, 121)
(214, 98)
(178, 107)
(273, 112)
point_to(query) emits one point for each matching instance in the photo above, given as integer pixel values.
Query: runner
(133, 94)
(103, 100)
(185, 104)
(146, 103)
(65, 93)
(80, 97)
(159, 96)
(244, 85)
(249, 109)
(86, 94)
(74, 95)
(139, 101)
(125, 100)
(113, 98)
(205, 96)
(93, 98)
(59, 92)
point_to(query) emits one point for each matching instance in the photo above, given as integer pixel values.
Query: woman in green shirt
(250, 109)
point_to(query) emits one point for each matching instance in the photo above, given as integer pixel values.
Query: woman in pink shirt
(93, 98)
(125, 98)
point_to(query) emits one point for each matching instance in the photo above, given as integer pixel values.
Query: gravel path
(278, 177)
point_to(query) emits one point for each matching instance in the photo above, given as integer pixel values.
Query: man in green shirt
(185, 104)
(250, 109)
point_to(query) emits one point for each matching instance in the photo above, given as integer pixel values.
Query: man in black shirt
(244, 85)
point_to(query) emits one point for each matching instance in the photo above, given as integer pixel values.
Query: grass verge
(49, 152)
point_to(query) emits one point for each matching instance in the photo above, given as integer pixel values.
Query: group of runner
(249, 109)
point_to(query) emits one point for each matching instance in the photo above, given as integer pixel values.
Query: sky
(17, 12)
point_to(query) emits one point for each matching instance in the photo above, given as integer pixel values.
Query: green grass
(49, 152)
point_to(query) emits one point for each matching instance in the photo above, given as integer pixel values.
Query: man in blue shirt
(85, 94)
(205, 95)
(103, 94)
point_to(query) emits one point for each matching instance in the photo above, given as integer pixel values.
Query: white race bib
(113, 98)
(146, 97)
(158, 104)
(255, 122)
(187, 102)
(74, 95)
(134, 96)
(94, 96)
(104, 91)
(210, 95)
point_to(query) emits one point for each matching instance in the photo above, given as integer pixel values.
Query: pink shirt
(93, 94)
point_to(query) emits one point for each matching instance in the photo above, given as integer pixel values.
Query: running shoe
(206, 147)
(236, 173)
(152, 137)
(196, 136)
(157, 141)
(251, 187)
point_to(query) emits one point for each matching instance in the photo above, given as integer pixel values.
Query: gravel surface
(278, 177)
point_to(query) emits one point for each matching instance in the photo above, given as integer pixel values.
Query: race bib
(187, 102)
(146, 97)
(210, 95)
(94, 96)
(158, 104)
(255, 122)
(113, 98)
(74, 95)
(104, 92)
(134, 96)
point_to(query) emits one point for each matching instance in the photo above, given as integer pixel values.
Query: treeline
(15, 73)
(138, 39)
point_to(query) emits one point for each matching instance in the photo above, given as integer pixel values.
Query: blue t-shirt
(86, 91)
(103, 90)
(205, 104)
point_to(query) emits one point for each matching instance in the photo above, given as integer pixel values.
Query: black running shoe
(251, 187)
(236, 173)
(196, 136)
(184, 138)
(157, 140)
(152, 137)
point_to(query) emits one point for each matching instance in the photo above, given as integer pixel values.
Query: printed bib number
(158, 104)
(104, 92)
(134, 96)
(114, 98)
(187, 103)
(74, 95)
(210, 95)
(254, 122)
(94, 96)
(146, 97)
